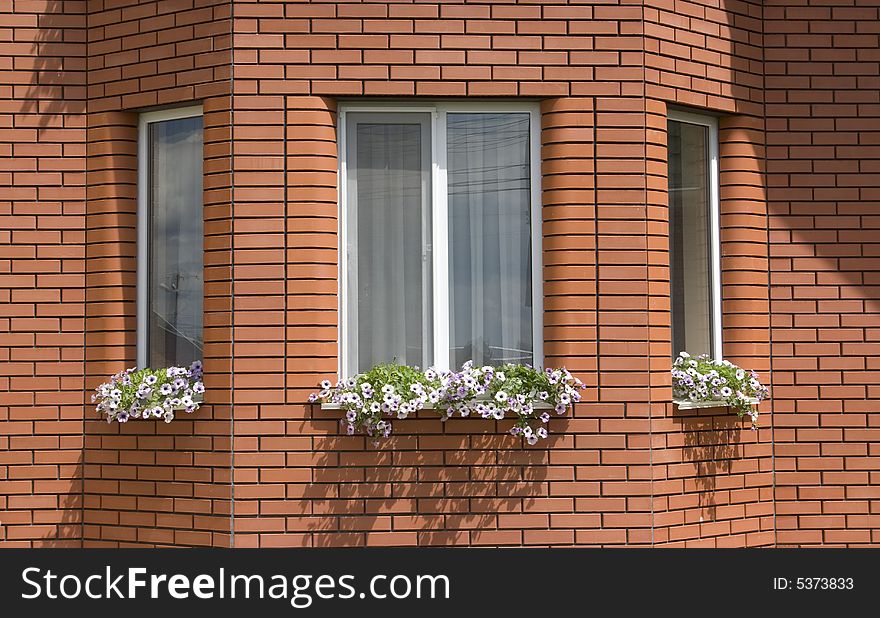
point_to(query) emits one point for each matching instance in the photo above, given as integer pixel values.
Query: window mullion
(440, 249)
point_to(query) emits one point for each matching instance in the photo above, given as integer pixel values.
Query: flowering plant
(393, 390)
(150, 393)
(702, 378)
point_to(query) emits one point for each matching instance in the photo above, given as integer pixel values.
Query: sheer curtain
(490, 296)
(176, 258)
(388, 240)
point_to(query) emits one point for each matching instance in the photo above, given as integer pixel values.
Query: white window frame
(440, 214)
(143, 218)
(711, 122)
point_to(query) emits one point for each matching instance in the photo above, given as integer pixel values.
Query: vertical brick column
(111, 302)
(42, 208)
(111, 239)
(745, 297)
(568, 165)
(623, 308)
(258, 248)
(286, 331)
(744, 260)
(745, 293)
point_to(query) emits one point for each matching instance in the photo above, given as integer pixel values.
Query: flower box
(518, 392)
(705, 382)
(150, 394)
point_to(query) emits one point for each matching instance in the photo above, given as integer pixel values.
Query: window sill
(686, 404)
(338, 406)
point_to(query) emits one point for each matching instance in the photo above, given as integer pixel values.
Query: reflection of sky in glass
(176, 231)
(490, 269)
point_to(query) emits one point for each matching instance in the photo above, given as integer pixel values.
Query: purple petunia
(195, 370)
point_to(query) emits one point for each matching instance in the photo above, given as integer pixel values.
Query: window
(440, 210)
(695, 269)
(170, 238)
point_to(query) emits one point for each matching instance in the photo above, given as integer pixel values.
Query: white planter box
(686, 404)
(429, 406)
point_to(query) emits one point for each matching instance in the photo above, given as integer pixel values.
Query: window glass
(175, 255)
(690, 245)
(490, 270)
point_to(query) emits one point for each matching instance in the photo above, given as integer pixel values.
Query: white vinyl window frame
(714, 178)
(440, 217)
(143, 219)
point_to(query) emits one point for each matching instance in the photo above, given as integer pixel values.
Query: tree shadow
(711, 443)
(69, 528)
(57, 68)
(432, 483)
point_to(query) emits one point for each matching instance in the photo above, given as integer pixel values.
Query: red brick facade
(796, 88)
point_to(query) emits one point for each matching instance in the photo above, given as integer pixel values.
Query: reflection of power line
(168, 326)
(174, 289)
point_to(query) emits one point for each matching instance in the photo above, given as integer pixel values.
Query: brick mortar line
(232, 273)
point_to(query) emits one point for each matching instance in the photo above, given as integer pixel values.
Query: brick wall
(823, 106)
(42, 263)
(797, 92)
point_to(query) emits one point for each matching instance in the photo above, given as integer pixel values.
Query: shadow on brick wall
(432, 483)
(69, 527)
(59, 62)
(711, 444)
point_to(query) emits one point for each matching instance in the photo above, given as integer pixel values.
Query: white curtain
(176, 242)
(389, 232)
(490, 296)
